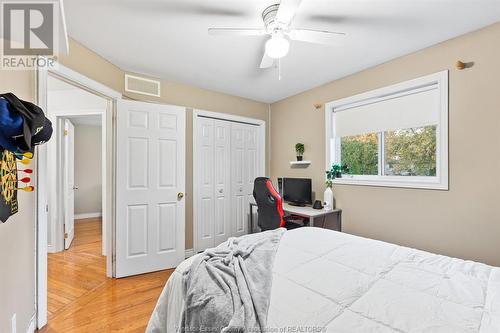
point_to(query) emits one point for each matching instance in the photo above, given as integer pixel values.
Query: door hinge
(65, 132)
(65, 235)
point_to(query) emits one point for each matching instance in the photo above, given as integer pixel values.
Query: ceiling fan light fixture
(277, 46)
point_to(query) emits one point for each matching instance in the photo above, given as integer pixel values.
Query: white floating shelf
(300, 164)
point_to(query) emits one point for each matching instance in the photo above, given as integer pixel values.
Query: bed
(327, 281)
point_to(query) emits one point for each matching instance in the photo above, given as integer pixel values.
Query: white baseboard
(31, 327)
(189, 253)
(88, 216)
(51, 249)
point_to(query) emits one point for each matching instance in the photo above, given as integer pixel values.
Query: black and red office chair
(270, 206)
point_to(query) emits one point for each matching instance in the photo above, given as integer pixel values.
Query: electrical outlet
(13, 324)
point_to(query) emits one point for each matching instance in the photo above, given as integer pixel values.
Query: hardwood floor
(82, 299)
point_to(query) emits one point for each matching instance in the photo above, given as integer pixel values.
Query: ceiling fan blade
(287, 11)
(236, 32)
(317, 36)
(267, 61)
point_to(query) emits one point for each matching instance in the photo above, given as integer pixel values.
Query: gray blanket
(228, 287)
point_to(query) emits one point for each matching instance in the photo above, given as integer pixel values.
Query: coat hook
(318, 106)
(463, 65)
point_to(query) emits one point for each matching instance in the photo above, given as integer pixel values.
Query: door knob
(180, 195)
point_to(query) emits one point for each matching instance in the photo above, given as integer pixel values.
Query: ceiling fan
(277, 24)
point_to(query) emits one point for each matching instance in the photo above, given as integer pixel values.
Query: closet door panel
(222, 138)
(205, 217)
(252, 160)
(238, 180)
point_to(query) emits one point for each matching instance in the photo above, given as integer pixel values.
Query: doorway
(79, 117)
(76, 237)
(98, 100)
(143, 148)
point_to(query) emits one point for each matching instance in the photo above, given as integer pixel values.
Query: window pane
(411, 152)
(360, 153)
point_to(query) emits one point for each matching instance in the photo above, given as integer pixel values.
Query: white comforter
(326, 281)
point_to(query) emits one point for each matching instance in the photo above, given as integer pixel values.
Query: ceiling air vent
(141, 85)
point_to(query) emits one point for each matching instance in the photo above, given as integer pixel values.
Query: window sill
(430, 183)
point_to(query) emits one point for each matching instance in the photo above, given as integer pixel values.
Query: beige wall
(88, 171)
(17, 236)
(90, 64)
(462, 222)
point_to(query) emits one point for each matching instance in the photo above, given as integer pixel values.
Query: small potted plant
(299, 149)
(337, 170)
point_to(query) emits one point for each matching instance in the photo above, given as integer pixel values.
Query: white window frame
(440, 181)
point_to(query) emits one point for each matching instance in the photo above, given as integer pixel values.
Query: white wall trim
(50, 249)
(228, 117)
(84, 82)
(269, 143)
(88, 215)
(441, 181)
(189, 253)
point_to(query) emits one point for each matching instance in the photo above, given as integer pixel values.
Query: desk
(317, 217)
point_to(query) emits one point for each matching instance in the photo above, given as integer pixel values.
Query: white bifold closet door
(245, 168)
(227, 162)
(214, 175)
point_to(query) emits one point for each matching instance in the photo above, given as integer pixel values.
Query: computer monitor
(297, 191)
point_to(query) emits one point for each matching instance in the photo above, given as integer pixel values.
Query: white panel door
(222, 153)
(69, 183)
(204, 196)
(238, 180)
(150, 185)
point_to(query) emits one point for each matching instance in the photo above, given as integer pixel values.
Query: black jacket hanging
(37, 129)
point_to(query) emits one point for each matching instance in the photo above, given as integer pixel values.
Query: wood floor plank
(82, 299)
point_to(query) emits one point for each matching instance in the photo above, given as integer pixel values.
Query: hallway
(82, 299)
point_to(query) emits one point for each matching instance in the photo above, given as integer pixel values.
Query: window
(360, 153)
(394, 136)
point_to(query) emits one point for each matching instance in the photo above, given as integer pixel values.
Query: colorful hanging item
(8, 185)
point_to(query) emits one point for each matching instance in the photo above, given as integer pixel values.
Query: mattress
(327, 281)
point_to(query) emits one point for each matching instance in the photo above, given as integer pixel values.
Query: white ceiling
(168, 38)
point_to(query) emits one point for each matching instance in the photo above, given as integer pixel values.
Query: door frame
(41, 176)
(225, 117)
(65, 172)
